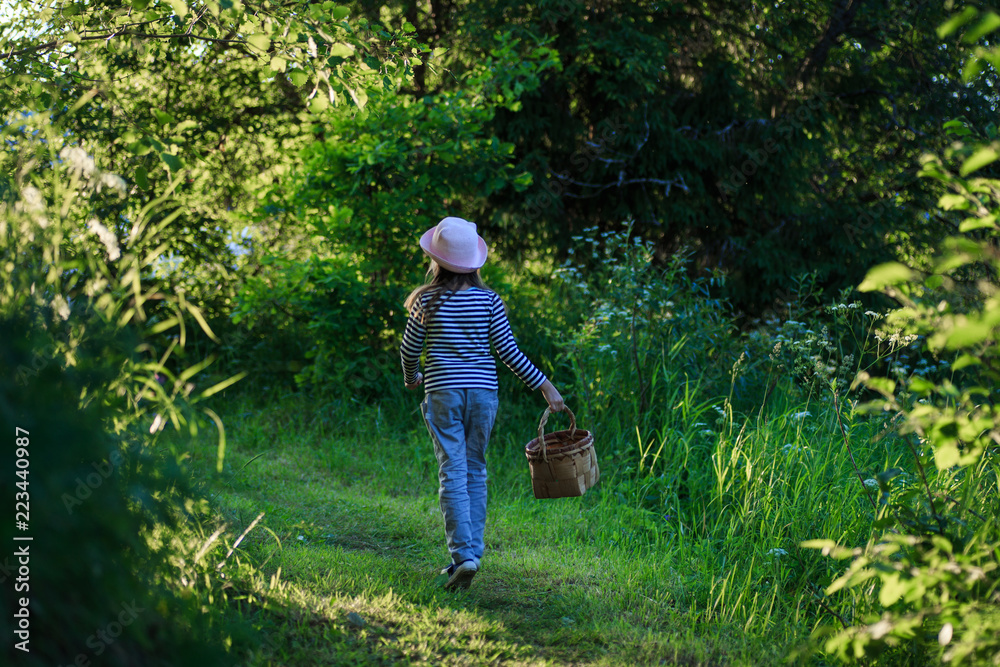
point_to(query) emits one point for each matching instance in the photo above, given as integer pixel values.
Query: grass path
(355, 576)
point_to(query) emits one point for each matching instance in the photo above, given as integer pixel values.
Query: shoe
(460, 576)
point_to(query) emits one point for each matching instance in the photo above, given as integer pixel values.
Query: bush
(90, 374)
(933, 563)
(92, 579)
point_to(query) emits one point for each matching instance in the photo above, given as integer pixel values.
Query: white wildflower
(31, 200)
(112, 182)
(158, 423)
(798, 416)
(33, 204)
(107, 237)
(871, 483)
(777, 551)
(78, 161)
(95, 287)
(61, 307)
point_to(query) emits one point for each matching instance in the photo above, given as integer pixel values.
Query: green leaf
(278, 64)
(892, 590)
(340, 13)
(951, 202)
(919, 385)
(988, 24)
(973, 68)
(139, 148)
(162, 117)
(359, 96)
(298, 77)
(967, 335)
(216, 388)
(409, 27)
(172, 161)
(946, 455)
(139, 5)
(885, 275)
(259, 41)
(979, 159)
(957, 128)
(191, 371)
(956, 22)
(971, 224)
(180, 7)
(884, 386)
(964, 361)
(319, 104)
(341, 50)
(141, 178)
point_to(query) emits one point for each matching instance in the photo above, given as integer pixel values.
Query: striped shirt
(458, 342)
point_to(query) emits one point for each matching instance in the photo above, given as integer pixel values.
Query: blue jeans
(460, 422)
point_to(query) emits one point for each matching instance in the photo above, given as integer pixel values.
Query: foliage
(731, 129)
(207, 100)
(637, 316)
(91, 576)
(365, 193)
(94, 369)
(935, 567)
(341, 328)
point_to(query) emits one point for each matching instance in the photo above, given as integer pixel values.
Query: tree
(773, 140)
(207, 100)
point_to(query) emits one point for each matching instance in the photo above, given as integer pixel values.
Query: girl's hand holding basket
(552, 397)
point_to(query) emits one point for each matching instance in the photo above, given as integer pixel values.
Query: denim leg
(480, 414)
(443, 413)
(460, 422)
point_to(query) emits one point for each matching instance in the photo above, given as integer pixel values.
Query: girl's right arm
(502, 339)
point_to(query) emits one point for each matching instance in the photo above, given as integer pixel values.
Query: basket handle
(541, 428)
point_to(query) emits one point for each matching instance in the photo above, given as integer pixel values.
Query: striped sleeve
(503, 342)
(413, 344)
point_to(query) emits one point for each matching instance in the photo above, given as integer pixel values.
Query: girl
(456, 317)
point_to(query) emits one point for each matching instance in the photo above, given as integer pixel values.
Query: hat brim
(466, 265)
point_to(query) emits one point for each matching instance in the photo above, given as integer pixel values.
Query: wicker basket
(563, 464)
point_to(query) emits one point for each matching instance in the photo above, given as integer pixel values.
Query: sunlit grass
(686, 552)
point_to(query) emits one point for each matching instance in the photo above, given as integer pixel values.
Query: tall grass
(720, 456)
(696, 523)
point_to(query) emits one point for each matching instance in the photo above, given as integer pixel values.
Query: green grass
(670, 560)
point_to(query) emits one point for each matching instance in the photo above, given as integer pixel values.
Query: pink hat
(454, 244)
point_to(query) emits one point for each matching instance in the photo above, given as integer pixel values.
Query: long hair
(439, 282)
